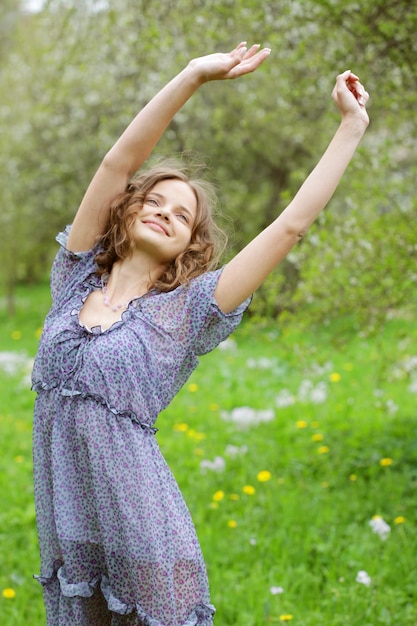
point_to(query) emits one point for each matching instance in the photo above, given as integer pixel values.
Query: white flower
(235, 451)
(218, 465)
(412, 388)
(276, 590)
(366, 244)
(307, 392)
(391, 407)
(317, 369)
(304, 390)
(380, 527)
(363, 578)
(263, 363)
(245, 416)
(410, 364)
(283, 399)
(13, 363)
(253, 541)
(228, 344)
(318, 395)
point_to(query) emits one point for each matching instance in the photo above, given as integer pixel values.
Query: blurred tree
(9, 15)
(360, 257)
(78, 71)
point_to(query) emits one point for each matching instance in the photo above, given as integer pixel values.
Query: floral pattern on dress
(117, 542)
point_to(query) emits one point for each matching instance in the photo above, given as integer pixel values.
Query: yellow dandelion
(353, 477)
(234, 496)
(196, 436)
(218, 496)
(376, 516)
(181, 428)
(386, 462)
(323, 450)
(335, 377)
(8, 593)
(193, 387)
(285, 618)
(16, 335)
(399, 520)
(264, 476)
(317, 437)
(232, 523)
(38, 332)
(249, 490)
(301, 424)
(214, 407)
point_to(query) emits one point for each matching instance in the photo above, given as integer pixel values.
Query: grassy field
(295, 450)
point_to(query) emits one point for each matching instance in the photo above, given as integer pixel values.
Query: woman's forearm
(320, 185)
(249, 268)
(143, 133)
(136, 143)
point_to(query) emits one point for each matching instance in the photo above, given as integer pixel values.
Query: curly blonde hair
(207, 239)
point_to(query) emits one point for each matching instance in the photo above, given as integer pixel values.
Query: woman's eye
(151, 201)
(184, 218)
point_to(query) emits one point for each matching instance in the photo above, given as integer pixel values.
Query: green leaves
(75, 74)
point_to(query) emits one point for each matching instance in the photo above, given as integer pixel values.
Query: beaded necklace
(107, 301)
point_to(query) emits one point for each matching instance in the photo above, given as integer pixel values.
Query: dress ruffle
(202, 614)
(39, 386)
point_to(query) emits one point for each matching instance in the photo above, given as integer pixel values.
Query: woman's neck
(131, 278)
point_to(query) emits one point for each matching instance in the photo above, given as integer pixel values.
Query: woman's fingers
(350, 81)
(252, 51)
(250, 61)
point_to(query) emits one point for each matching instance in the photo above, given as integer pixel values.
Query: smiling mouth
(157, 226)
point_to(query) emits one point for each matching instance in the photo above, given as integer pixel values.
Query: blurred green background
(74, 74)
(329, 348)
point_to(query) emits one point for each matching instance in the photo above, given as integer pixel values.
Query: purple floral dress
(117, 543)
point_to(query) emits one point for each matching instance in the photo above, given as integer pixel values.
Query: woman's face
(164, 223)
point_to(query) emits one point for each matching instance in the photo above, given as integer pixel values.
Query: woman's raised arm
(140, 137)
(249, 268)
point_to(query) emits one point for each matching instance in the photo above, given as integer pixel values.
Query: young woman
(134, 302)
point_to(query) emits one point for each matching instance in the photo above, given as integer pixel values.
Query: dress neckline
(93, 284)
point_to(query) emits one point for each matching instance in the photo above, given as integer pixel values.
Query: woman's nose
(163, 213)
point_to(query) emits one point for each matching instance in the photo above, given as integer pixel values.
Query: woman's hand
(141, 136)
(350, 96)
(220, 66)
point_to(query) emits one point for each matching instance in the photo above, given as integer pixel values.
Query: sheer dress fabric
(117, 543)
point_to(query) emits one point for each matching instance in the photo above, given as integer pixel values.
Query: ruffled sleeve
(191, 316)
(217, 325)
(69, 267)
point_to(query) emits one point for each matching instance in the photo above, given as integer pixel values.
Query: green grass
(306, 529)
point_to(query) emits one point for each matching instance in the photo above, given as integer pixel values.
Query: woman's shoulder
(70, 268)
